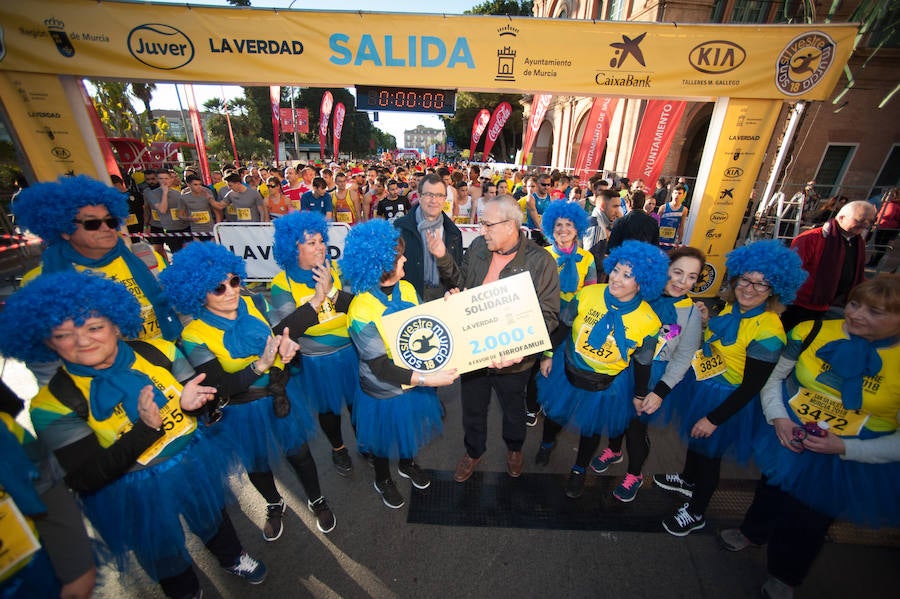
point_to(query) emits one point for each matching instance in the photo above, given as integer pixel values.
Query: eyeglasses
(428, 195)
(489, 226)
(759, 287)
(234, 282)
(93, 224)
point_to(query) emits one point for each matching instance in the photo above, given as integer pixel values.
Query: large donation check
(470, 329)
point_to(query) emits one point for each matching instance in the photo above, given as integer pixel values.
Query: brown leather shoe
(514, 462)
(465, 468)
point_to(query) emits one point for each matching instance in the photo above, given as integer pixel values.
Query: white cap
(486, 173)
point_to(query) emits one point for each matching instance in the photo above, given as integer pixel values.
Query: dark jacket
(415, 250)
(637, 225)
(529, 258)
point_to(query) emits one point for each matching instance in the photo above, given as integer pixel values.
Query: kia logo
(733, 172)
(717, 57)
(160, 46)
(717, 218)
(61, 153)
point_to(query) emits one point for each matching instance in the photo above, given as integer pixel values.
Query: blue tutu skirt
(36, 579)
(260, 439)
(327, 382)
(606, 412)
(139, 512)
(867, 494)
(397, 427)
(734, 437)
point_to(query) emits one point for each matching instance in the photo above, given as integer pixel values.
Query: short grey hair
(509, 208)
(850, 207)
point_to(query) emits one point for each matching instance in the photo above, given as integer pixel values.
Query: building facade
(423, 137)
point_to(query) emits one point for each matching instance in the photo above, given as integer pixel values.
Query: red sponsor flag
(286, 116)
(275, 98)
(498, 120)
(301, 120)
(130, 151)
(324, 115)
(197, 126)
(595, 133)
(478, 127)
(654, 139)
(538, 109)
(109, 158)
(338, 127)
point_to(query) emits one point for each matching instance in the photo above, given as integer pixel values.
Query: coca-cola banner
(324, 115)
(301, 120)
(338, 126)
(478, 127)
(287, 120)
(498, 119)
(654, 140)
(595, 133)
(275, 98)
(539, 107)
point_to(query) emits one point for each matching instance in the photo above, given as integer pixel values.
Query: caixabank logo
(424, 343)
(804, 62)
(160, 46)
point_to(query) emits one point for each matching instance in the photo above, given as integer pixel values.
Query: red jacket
(811, 245)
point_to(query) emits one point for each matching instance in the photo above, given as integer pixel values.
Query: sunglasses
(234, 282)
(271, 185)
(93, 224)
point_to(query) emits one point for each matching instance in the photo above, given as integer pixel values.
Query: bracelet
(332, 294)
(547, 354)
(255, 369)
(421, 380)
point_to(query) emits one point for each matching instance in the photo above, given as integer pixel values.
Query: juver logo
(160, 46)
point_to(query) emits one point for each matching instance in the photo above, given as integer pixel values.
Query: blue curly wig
(195, 271)
(649, 265)
(781, 266)
(291, 229)
(370, 251)
(34, 311)
(47, 209)
(562, 209)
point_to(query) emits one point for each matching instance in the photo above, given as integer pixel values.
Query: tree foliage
(459, 126)
(113, 102)
(502, 7)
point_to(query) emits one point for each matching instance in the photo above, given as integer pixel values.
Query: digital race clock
(407, 99)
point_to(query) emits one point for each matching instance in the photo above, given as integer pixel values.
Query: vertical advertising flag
(105, 148)
(654, 140)
(596, 131)
(324, 115)
(538, 109)
(478, 126)
(237, 159)
(275, 97)
(498, 120)
(301, 120)
(286, 116)
(197, 126)
(338, 126)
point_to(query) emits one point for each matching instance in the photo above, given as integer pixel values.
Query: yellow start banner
(243, 46)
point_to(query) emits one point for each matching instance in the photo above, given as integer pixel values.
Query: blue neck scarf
(664, 306)
(244, 336)
(59, 257)
(301, 275)
(568, 276)
(725, 326)
(851, 360)
(17, 474)
(612, 321)
(394, 303)
(118, 384)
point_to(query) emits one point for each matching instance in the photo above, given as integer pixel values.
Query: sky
(391, 122)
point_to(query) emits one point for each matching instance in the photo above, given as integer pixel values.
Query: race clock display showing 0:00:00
(410, 99)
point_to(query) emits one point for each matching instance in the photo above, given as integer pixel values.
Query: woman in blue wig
(719, 408)
(598, 375)
(119, 418)
(78, 218)
(391, 422)
(310, 286)
(843, 373)
(679, 339)
(563, 223)
(231, 341)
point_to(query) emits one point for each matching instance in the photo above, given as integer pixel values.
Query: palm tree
(144, 93)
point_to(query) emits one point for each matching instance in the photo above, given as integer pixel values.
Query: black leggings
(227, 548)
(383, 467)
(703, 472)
(303, 465)
(638, 444)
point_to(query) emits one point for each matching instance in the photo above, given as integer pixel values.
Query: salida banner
(507, 54)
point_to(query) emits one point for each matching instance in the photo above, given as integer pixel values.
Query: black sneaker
(575, 485)
(251, 570)
(368, 457)
(674, 483)
(543, 454)
(341, 460)
(531, 418)
(682, 523)
(419, 479)
(325, 520)
(274, 525)
(389, 494)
